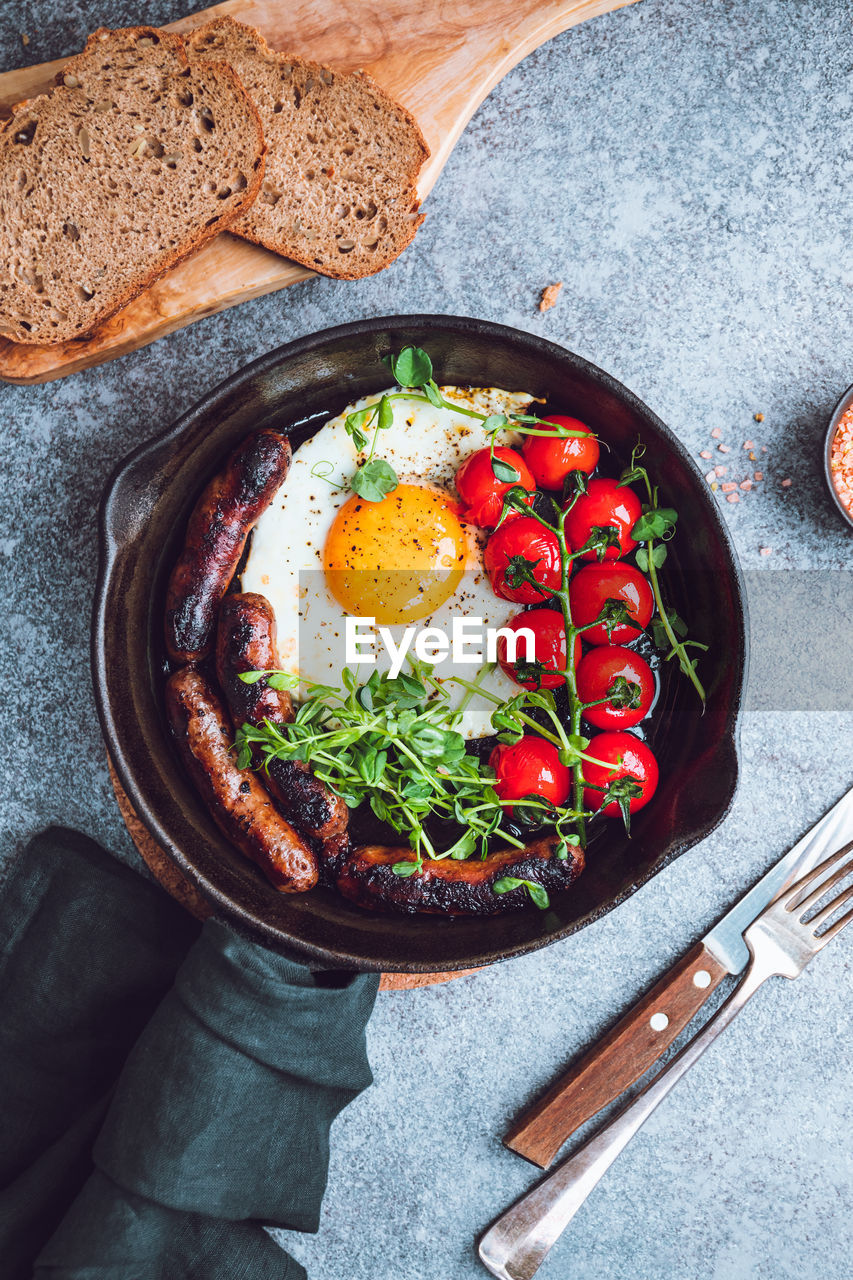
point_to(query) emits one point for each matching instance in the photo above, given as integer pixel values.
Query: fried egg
(320, 553)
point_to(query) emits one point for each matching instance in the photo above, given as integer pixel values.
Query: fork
(781, 941)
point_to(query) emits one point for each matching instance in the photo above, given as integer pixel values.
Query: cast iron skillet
(142, 521)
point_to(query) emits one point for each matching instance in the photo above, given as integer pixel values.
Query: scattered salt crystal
(716, 433)
(786, 484)
(759, 417)
(720, 470)
(746, 485)
(712, 475)
(765, 551)
(732, 497)
(728, 488)
(749, 444)
(706, 453)
(723, 448)
(758, 475)
(764, 448)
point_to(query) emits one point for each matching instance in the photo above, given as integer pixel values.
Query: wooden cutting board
(438, 58)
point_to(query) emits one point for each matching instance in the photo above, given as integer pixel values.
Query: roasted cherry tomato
(604, 503)
(480, 489)
(603, 672)
(530, 767)
(596, 583)
(552, 460)
(526, 538)
(626, 757)
(549, 649)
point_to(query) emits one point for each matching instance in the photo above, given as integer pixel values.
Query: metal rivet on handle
(658, 1022)
(702, 978)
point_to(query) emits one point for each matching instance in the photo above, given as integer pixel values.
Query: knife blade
(639, 1038)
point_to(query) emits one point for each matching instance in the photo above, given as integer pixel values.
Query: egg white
(424, 445)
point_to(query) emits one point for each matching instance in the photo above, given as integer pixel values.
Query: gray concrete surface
(684, 166)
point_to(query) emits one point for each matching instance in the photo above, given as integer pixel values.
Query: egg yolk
(396, 560)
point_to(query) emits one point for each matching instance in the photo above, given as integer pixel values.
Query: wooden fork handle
(618, 1059)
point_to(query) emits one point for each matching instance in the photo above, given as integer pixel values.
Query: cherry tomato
(481, 490)
(596, 583)
(530, 767)
(549, 648)
(597, 672)
(627, 757)
(525, 537)
(604, 503)
(552, 460)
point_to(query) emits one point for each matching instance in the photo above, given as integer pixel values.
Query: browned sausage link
(246, 641)
(217, 531)
(235, 797)
(455, 888)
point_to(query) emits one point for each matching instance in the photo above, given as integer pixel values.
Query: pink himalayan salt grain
(841, 459)
(706, 453)
(716, 433)
(732, 497)
(746, 485)
(764, 448)
(786, 484)
(728, 488)
(765, 551)
(749, 444)
(758, 475)
(723, 448)
(720, 471)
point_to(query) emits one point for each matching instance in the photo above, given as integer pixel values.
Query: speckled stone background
(684, 166)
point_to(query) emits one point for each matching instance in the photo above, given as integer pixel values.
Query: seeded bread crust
(339, 193)
(129, 165)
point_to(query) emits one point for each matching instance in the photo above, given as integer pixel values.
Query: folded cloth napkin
(219, 1118)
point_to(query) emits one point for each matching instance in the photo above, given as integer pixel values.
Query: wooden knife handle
(618, 1059)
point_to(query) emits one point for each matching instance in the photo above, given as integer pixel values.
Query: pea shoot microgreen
(390, 743)
(412, 369)
(654, 529)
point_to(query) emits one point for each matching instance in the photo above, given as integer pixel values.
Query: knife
(638, 1039)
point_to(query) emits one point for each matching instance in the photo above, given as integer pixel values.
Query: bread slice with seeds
(339, 193)
(133, 161)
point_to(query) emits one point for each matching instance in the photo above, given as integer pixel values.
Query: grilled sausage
(245, 641)
(217, 531)
(455, 888)
(235, 797)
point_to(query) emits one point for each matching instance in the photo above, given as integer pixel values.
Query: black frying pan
(143, 515)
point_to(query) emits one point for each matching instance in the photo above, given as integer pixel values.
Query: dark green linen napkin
(88, 949)
(220, 1117)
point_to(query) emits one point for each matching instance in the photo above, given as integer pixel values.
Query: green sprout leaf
(375, 480)
(412, 367)
(278, 680)
(507, 883)
(655, 523)
(656, 552)
(505, 471)
(406, 869)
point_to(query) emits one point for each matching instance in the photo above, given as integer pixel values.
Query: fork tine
(831, 907)
(821, 891)
(796, 903)
(834, 929)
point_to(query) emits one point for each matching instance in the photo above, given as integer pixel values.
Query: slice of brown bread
(133, 161)
(339, 192)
